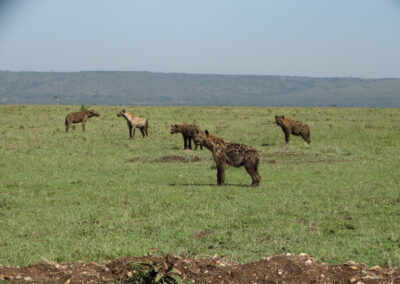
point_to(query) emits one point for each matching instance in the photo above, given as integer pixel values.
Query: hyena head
(279, 119)
(121, 113)
(200, 137)
(94, 113)
(174, 128)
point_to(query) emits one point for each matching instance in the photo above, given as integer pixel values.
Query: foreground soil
(275, 269)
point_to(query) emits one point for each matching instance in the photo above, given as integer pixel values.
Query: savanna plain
(96, 195)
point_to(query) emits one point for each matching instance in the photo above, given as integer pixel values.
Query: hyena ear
(276, 116)
(176, 125)
(123, 110)
(283, 117)
(207, 133)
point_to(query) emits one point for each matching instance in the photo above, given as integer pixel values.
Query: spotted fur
(79, 117)
(233, 154)
(135, 122)
(294, 127)
(188, 132)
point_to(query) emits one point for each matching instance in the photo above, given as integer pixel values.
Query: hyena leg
(133, 132)
(184, 142)
(146, 130)
(258, 177)
(287, 137)
(251, 166)
(83, 124)
(306, 137)
(67, 125)
(197, 146)
(221, 174)
(142, 130)
(254, 177)
(190, 143)
(254, 164)
(130, 131)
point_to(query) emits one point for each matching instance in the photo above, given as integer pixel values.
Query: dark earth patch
(170, 159)
(275, 269)
(135, 159)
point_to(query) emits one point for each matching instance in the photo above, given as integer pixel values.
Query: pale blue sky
(359, 38)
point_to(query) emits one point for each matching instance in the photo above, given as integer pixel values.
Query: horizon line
(214, 74)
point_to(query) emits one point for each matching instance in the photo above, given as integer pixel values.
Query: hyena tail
(66, 124)
(146, 128)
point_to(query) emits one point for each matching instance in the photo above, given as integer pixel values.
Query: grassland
(96, 195)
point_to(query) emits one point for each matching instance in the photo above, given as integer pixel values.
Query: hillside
(147, 88)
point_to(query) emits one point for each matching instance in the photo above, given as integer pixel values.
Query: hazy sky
(359, 38)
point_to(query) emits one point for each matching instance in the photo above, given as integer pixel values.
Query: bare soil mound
(276, 269)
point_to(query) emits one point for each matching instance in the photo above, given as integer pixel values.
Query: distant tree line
(147, 88)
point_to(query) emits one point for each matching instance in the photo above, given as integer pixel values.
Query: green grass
(96, 195)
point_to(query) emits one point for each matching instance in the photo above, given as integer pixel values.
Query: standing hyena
(135, 122)
(233, 154)
(188, 132)
(294, 127)
(77, 117)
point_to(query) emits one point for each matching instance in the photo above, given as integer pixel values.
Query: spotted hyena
(294, 127)
(188, 132)
(135, 122)
(77, 117)
(225, 152)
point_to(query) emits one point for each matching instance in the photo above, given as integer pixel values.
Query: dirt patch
(276, 269)
(9, 146)
(295, 158)
(166, 159)
(89, 155)
(268, 144)
(136, 159)
(170, 159)
(301, 161)
(199, 235)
